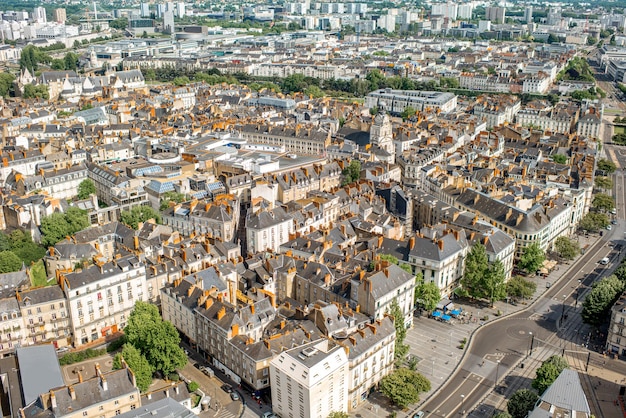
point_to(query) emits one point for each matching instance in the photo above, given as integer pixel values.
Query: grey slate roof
(164, 408)
(39, 370)
(564, 395)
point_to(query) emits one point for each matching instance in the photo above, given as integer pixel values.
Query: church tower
(381, 132)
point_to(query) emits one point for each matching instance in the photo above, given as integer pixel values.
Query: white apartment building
(268, 229)
(101, 297)
(310, 381)
(538, 84)
(395, 101)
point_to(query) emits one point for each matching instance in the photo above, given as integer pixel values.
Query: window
(117, 412)
(132, 406)
(84, 413)
(117, 402)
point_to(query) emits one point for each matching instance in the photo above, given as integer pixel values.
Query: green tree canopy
(476, 269)
(70, 61)
(181, 81)
(494, 282)
(139, 214)
(36, 92)
(427, 294)
(532, 258)
(548, 372)
(521, 403)
(86, 188)
(599, 300)
(607, 166)
(57, 226)
(9, 262)
(408, 112)
(593, 221)
(603, 202)
(6, 84)
(352, 172)
(119, 23)
(23, 246)
(398, 321)
(338, 415)
(156, 339)
(404, 386)
(171, 197)
(559, 158)
(519, 287)
(603, 182)
(138, 363)
(567, 248)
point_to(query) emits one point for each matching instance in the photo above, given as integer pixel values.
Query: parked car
(269, 415)
(609, 227)
(605, 261)
(227, 388)
(419, 414)
(234, 396)
(198, 366)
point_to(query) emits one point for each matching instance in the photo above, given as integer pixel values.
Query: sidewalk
(436, 344)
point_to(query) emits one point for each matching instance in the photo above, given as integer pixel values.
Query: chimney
(386, 271)
(440, 244)
(282, 324)
(136, 242)
(208, 303)
(252, 308)
(167, 393)
(72, 392)
(380, 241)
(327, 279)
(80, 376)
(177, 389)
(411, 243)
(221, 313)
(361, 274)
(189, 291)
(53, 400)
(105, 385)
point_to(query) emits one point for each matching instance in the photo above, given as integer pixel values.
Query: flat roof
(39, 370)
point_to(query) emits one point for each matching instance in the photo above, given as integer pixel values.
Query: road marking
(613, 157)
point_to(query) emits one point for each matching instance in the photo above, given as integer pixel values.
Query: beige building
(616, 336)
(45, 315)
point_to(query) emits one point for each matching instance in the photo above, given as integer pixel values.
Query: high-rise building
(495, 14)
(145, 9)
(180, 9)
(168, 21)
(60, 16)
(528, 14)
(448, 10)
(465, 11)
(39, 15)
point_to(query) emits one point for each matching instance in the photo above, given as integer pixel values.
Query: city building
(395, 101)
(310, 381)
(495, 14)
(60, 15)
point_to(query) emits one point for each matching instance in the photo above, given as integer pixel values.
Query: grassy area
(38, 275)
(618, 130)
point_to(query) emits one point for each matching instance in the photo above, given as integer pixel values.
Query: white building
(310, 381)
(268, 229)
(39, 15)
(101, 297)
(398, 100)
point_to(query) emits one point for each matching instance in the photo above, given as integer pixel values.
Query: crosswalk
(225, 413)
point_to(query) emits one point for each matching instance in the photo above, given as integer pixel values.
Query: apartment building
(268, 229)
(22, 161)
(45, 315)
(310, 381)
(62, 183)
(307, 140)
(100, 297)
(616, 335)
(218, 219)
(395, 101)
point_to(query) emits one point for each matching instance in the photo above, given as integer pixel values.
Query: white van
(604, 261)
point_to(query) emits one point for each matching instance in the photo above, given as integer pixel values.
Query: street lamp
(532, 340)
(563, 310)
(495, 384)
(462, 403)
(433, 369)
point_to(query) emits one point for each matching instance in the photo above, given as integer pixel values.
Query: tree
(36, 92)
(548, 372)
(156, 339)
(398, 322)
(552, 38)
(23, 246)
(314, 92)
(139, 214)
(338, 415)
(403, 386)
(119, 23)
(86, 188)
(532, 258)
(138, 363)
(519, 287)
(502, 415)
(6, 83)
(603, 201)
(352, 172)
(71, 61)
(171, 197)
(599, 300)
(494, 282)
(427, 294)
(192, 386)
(607, 166)
(408, 112)
(181, 81)
(521, 403)
(566, 248)
(476, 268)
(559, 158)
(603, 182)
(9, 262)
(593, 221)
(57, 226)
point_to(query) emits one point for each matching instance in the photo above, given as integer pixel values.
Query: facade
(217, 219)
(101, 297)
(616, 335)
(268, 229)
(395, 101)
(310, 381)
(45, 315)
